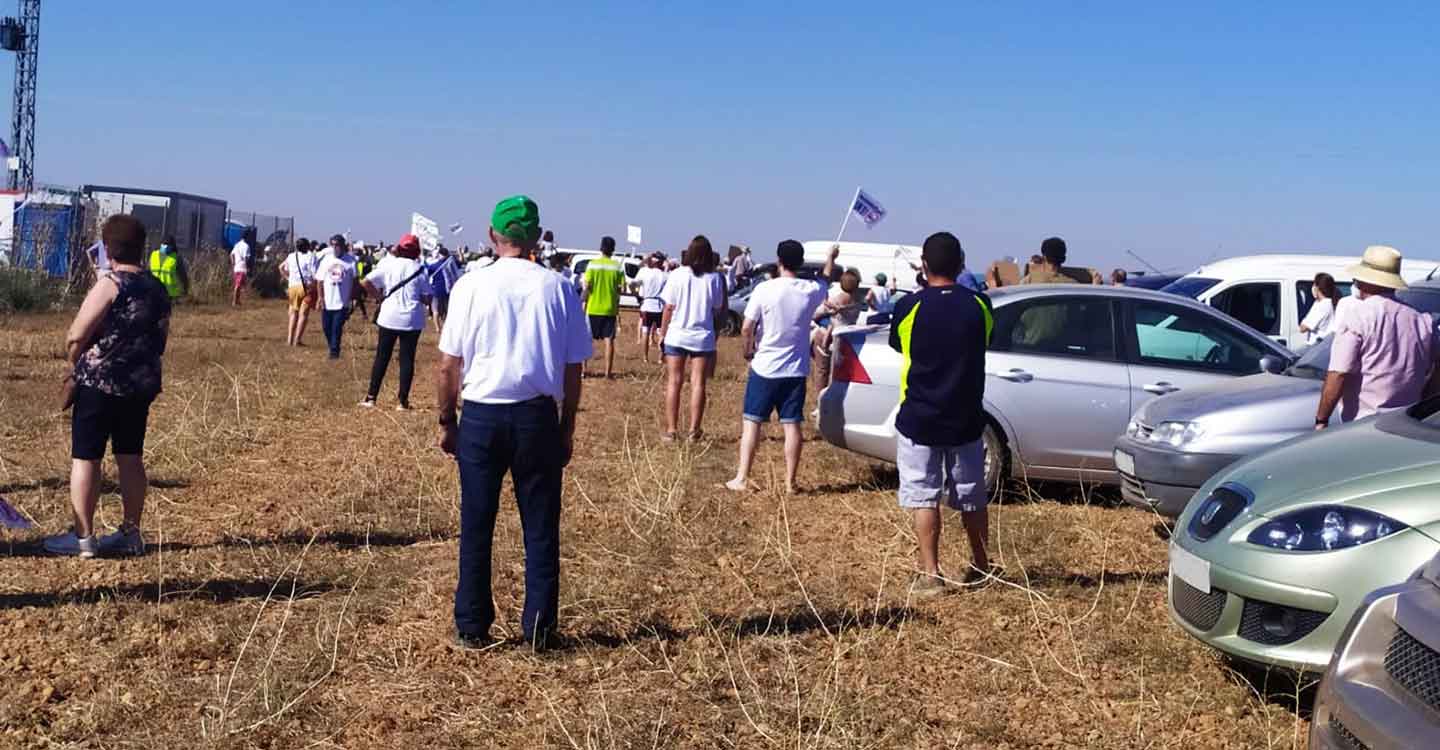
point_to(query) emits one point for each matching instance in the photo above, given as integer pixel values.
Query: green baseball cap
(517, 218)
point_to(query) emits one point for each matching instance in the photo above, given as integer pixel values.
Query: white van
(869, 258)
(1272, 293)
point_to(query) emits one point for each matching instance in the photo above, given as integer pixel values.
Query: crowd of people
(517, 331)
(516, 334)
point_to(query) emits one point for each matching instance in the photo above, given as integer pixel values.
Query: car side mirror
(1272, 364)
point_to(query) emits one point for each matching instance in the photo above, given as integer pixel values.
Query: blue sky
(1179, 131)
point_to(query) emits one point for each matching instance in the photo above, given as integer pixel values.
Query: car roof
(1287, 262)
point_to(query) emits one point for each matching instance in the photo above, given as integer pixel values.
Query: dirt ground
(299, 586)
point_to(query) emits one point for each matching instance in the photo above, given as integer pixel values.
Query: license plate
(1125, 463)
(1190, 569)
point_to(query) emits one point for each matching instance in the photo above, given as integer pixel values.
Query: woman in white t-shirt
(403, 287)
(694, 295)
(1320, 321)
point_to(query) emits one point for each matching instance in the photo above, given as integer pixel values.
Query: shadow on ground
(217, 592)
(1292, 691)
(794, 622)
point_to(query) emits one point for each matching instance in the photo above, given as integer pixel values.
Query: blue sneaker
(70, 545)
(126, 542)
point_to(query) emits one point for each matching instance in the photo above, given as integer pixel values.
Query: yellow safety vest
(166, 268)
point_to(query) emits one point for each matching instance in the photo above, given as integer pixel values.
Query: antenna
(22, 36)
(1132, 254)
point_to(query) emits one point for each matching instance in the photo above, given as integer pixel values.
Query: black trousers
(384, 348)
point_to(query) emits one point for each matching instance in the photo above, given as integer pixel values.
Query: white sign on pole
(632, 234)
(425, 230)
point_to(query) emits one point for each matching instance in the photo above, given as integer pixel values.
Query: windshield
(1313, 363)
(1190, 286)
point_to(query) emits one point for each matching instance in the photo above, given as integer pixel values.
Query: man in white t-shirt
(512, 349)
(336, 276)
(240, 258)
(780, 311)
(648, 285)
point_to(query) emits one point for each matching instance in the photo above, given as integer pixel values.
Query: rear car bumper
(1381, 690)
(1165, 480)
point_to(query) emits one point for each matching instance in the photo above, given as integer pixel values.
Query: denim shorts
(766, 395)
(929, 473)
(676, 351)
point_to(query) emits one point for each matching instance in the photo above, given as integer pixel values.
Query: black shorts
(602, 327)
(651, 320)
(101, 418)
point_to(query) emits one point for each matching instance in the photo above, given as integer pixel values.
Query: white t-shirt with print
(696, 300)
(403, 310)
(337, 280)
(516, 326)
(783, 308)
(241, 256)
(651, 281)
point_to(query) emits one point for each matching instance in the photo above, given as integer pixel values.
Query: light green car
(1272, 556)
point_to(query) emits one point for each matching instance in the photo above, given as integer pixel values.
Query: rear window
(1190, 286)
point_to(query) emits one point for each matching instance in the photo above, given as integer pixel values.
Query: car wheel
(997, 459)
(732, 324)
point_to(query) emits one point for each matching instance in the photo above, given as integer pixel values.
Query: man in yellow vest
(167, 267)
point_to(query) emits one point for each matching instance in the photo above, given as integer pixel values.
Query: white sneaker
(367, 404)
(70, 545)
(126, 542)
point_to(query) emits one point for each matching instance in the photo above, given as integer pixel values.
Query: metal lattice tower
(22, 131)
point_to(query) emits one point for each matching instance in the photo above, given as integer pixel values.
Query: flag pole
(849, 209)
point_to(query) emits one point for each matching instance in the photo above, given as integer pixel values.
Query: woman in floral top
(115, 345)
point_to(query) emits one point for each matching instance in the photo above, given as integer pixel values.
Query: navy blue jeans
(522, 439)
(333, 322)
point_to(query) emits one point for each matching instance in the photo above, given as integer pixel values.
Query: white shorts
(930, 472)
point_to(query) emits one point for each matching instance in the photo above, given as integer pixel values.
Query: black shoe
(549, 641)
(468, 642)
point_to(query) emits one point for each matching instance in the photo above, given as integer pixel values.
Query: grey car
(1066, 368)
(1177, 442)
(1382, 690)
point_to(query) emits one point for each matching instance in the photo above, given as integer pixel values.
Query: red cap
(409, 240)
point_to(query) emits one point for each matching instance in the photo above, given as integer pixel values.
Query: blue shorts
(784, 395)
(676, 351)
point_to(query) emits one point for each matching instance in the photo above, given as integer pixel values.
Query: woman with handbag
(399, 282)
(114, 347)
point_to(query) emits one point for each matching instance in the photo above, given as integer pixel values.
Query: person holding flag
(442, 272)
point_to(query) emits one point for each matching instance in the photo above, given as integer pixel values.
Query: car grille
(1132, 488)
(1287, 624)
(1344, 737)
(1197, 607)
(1415, 667)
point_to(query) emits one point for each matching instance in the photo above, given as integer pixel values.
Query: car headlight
(1132, 429)
(1325, 527)
(1176, 434)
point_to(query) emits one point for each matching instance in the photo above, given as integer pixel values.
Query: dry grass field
(298, 589)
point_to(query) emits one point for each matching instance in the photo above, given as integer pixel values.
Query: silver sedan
(1067, 366)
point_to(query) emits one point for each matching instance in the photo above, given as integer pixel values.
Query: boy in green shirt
(604, 280)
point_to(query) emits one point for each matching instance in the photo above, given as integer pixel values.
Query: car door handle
(1014, 375)
(1161, 388)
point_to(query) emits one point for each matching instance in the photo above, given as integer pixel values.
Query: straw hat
(1379, 266)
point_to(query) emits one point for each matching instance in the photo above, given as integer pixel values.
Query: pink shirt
(1387, 347)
